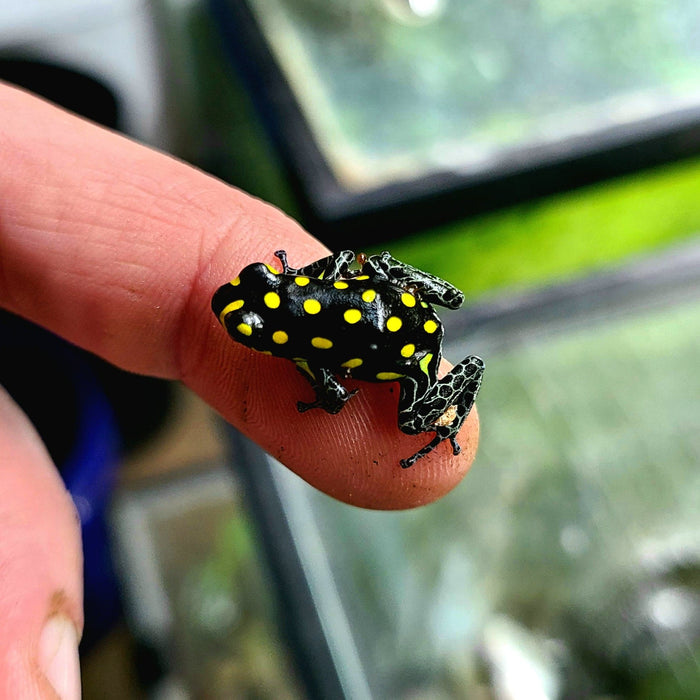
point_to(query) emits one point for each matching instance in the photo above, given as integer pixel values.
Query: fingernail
(58, 657)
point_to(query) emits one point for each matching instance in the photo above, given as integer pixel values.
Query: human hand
(118, 249)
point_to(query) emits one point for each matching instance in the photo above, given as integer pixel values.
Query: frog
(366, 317)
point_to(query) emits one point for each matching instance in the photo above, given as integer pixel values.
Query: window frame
(344, 218)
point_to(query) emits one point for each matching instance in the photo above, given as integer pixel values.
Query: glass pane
(396, 89)
(568, 562)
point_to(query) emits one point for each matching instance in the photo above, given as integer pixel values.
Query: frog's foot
(441, 434)
(444, 407)
(331, 395)
(410, 461)
(330, 404)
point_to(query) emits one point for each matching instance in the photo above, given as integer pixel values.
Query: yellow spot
(301, 281)
(369, 295)
(272, 300)
(425, 361)
(362, 277)
(321, 343)
(229, 308)
(352, 315)
(280, 337)
(244, 329)
(430, 326)
(236, 281)
(264, 352)
(272, 269)
(408, 299)
(393, 323)
(303, 365)
(424, 305)
(340, 284)
(351, 364)
(311, 306)
(408, 350)
(388, 376)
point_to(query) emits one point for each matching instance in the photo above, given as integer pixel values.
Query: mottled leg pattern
(331, 395)
(430, 288)
(332, 268)
(420, 408)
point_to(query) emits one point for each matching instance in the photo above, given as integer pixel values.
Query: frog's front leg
(332, 268)
(331, 395)
(440, 407)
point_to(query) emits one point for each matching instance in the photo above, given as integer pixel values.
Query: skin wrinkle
(165, 216)
(171, 200)
(70, 223)
(200, 198)
(101, 193)
(93, 287)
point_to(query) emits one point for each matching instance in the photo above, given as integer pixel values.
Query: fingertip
(40, 554)
(354, 455)
(59, 660)
(372, 477)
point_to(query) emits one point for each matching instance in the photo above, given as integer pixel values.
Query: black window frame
(346, 219)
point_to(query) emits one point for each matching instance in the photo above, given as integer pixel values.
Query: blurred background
(543, 156)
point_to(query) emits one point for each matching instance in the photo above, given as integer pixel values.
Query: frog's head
(239, 304)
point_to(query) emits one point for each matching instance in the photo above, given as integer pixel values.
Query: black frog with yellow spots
(374, 323)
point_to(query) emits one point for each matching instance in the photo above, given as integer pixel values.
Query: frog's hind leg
(406, 463)
(331, 268)
(429, 288)
(331, 395)
(443, 408)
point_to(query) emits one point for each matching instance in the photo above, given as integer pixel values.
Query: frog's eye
(246, 325)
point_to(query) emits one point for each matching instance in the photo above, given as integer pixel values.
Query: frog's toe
(409, 462)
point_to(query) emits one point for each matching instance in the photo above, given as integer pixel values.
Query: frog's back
(365, 327)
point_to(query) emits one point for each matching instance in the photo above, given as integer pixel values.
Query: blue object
(89, 473)
(55, 385)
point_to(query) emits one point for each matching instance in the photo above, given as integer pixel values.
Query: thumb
(40, 568)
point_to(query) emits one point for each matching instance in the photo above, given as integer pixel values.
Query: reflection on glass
(395, 89)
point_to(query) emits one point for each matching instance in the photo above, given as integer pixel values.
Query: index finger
(119, 249)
